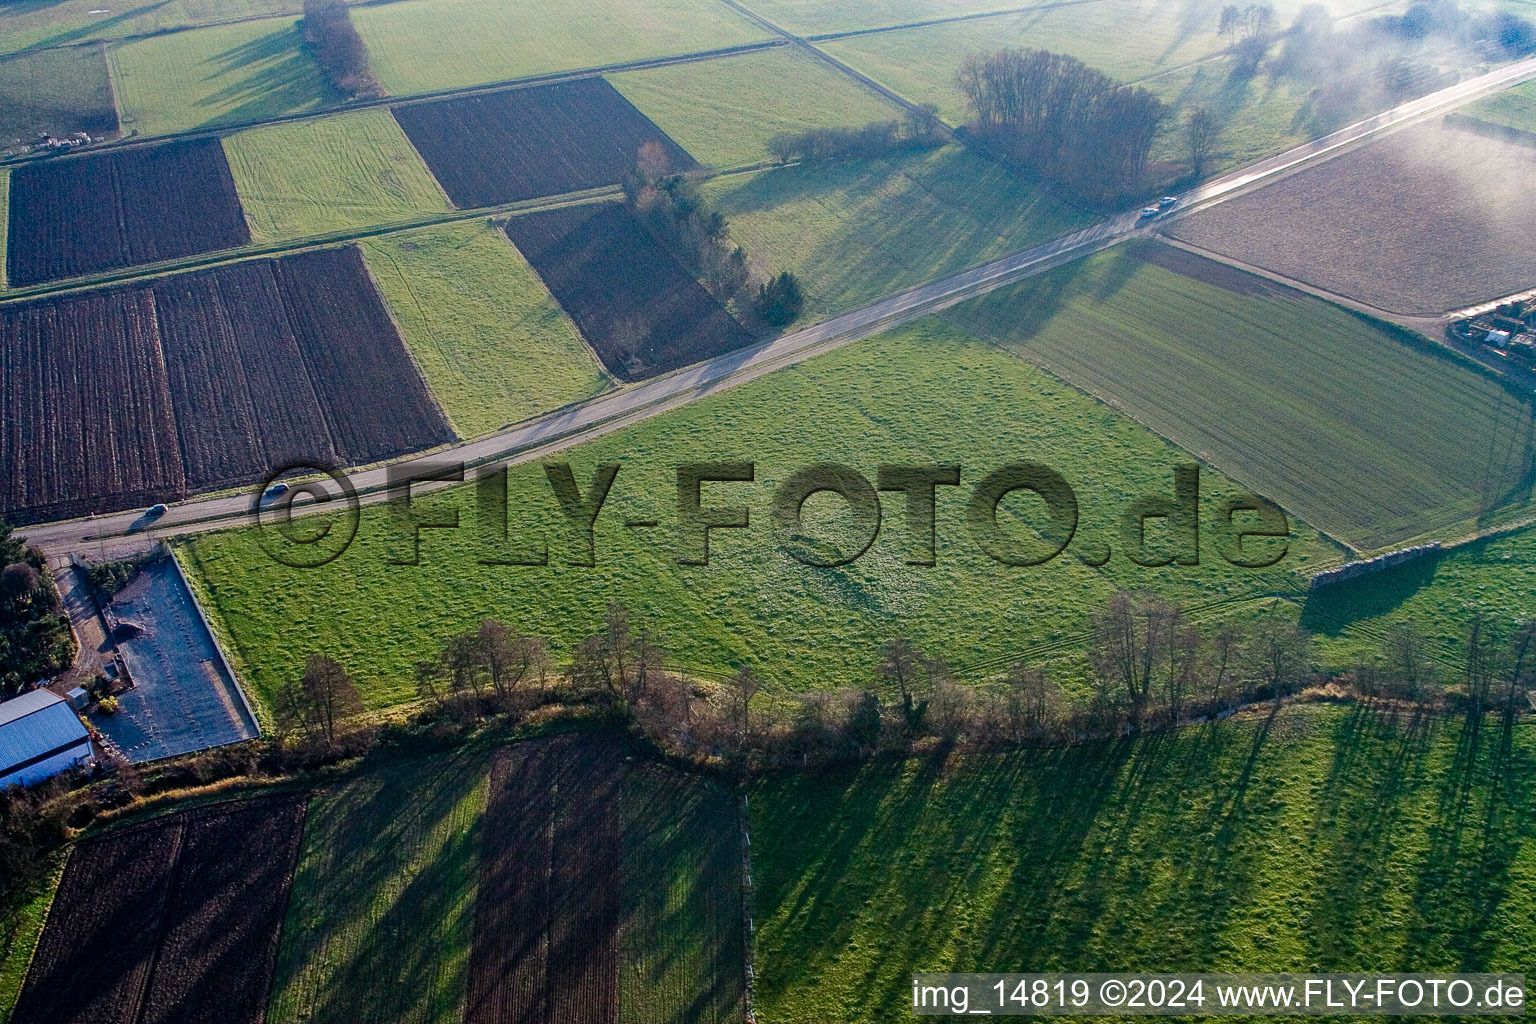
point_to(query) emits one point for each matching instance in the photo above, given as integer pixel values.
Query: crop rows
(546, 914)
(638, 308)
(201, 381)
(525, 143)
(122, 208)
(176, 920)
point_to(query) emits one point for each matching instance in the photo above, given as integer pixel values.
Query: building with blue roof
(40, 736)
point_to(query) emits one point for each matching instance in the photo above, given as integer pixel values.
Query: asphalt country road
(546, 435)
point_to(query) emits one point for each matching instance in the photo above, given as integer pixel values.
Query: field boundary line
(528, 81)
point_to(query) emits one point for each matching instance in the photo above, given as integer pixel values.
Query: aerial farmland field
(5, 221)
(492, 342)
(26, 26)
(57, 92)
(1333, 228)
(144, 393)
(1369, 439)
(308, 178)
(869, 402)
(636, 305)
(724, 111)
(378, 928)
(101, 211)
(1514, 108)
(185, 911)
(420, 46)
(858, 230)
(224, 74)
(1219, 846)
(516, 144)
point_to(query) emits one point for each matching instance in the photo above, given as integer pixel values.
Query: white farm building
(40, 736)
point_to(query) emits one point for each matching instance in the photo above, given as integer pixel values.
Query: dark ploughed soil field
(545, 945)
(101, 211)
(174, 920)
(635, 304)
(525, 143)
(132, 395)
(1425, 221)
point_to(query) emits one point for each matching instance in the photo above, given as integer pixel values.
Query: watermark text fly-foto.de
(712, 500)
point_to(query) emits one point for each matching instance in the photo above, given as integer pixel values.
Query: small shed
(40, 736)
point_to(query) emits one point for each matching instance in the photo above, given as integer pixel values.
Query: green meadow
(724, 111)
(1514, 108)
(55, 91)
(311, 177)
(869, 403)
(1321, 839)
(224, 74)
(858, 230)
(27, 25)
(1372, 435)
(421, 46)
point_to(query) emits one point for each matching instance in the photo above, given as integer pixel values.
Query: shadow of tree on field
(90, 31)
(268, 76)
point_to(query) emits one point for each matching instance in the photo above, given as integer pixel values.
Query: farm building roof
(35, 727)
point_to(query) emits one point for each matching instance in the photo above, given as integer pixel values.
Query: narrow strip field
(351, 170)
(526, 143)
(174, 920)
(547, 913)
(425, 45)
(116, 209)
(633, 301)
(378, 928)
(224, 74)
(1357, 429)
(724, 111)
(492, 342)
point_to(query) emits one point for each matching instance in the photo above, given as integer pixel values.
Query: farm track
(555, 432)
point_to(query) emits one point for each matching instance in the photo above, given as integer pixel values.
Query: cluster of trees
(35, 639)
(1062, 120)
(338, 49)
(673, 209)
(921, 129)
(671, 206)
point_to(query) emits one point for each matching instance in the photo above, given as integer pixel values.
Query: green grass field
(347, 171)
(812, 17)
(380, 916)
(1368, 439)
(725, 111)
(869, 403)
(1125, 39)
(56, 91)
(1491, 579)
(25, 25)
(858, 230)
(1515, 107)
(222, 75)
(426, 45)
(680, 880)
(1324, 839)
(493, 344)
(21, 925)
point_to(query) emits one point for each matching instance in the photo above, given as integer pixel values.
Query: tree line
(671, 206)
(921, 129)
(1062, 120)
(338, 49)
(35, 639)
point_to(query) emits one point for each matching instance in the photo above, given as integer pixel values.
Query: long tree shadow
(267, 76)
